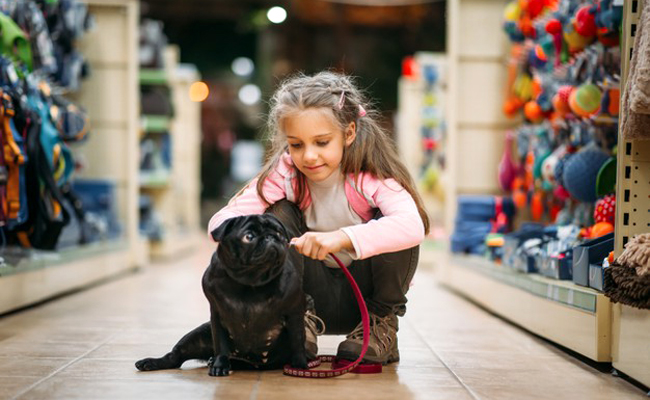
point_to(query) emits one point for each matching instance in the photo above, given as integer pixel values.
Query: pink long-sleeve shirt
(400, 227)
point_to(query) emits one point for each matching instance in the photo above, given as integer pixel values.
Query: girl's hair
(372, 151)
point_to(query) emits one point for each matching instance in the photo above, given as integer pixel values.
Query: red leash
(329, 373)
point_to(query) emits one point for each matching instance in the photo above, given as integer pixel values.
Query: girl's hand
(318, 245)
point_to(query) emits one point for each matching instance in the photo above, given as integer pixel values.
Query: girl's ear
(350, 133)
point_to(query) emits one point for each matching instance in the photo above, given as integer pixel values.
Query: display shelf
(575, 317)
(153, 77)
(476, 125)
(38, 276)
(175, 193)
(631, 327)
(155, 123)
(109, 153)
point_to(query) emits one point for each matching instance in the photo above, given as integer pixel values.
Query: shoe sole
(392, 357)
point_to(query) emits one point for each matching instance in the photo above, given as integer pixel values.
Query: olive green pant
(383, 279)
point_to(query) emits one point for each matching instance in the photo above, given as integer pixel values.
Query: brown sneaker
(314, 327)
(382, 344)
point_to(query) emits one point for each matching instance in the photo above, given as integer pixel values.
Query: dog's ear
(219, 232)
(279, 226)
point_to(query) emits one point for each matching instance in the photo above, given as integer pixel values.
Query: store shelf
(630, 326)
(175, 244)
(41, 275)
(153, 76)
(631, 342)
(575, 317)
(155, 123)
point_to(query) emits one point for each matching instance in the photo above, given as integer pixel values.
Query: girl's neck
(330, 181)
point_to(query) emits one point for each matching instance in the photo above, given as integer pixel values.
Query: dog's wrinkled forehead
(238, 226)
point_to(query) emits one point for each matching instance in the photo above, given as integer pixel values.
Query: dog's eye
(247, 238)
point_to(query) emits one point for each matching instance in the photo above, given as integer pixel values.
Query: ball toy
(605, 209)
(553, 26)
(564, 92)
(560, 106)
(511, 106)
(561, 193)
(585, 100)
(575, 41)
(533, 111)
(512, 11)
(601, 229)
(580, 174)
(585, 21)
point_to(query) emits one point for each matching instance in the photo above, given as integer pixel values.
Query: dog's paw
(219, 366)
(299, 361)
(148, 364)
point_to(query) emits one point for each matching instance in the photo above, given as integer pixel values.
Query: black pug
(257, 304)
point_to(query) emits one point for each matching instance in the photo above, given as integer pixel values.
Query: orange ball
(601, 229)
(533, 111)
(511, 106)
(560, 106)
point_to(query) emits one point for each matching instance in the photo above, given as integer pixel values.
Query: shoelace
(378, 326)
(315, 323)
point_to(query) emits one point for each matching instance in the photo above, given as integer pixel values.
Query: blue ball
(580, 172)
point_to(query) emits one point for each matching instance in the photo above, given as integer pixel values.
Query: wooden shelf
(42, 275)
(575, 317)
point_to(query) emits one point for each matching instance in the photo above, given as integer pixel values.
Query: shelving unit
(175, 193)
(476, 126)
(110, 97)
(575, 317)
(631, 327)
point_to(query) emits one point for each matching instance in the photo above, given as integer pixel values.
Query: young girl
(334, 179)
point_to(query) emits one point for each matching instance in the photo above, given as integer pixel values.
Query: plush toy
(580, 173)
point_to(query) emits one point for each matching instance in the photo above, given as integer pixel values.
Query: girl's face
(316, 142)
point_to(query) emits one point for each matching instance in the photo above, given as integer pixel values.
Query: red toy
(605, 210)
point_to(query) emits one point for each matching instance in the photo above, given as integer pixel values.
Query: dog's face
(252, 248)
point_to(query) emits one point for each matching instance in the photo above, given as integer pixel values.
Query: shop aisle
(83, 346)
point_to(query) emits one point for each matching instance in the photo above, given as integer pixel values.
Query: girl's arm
(249, 202)
(400, 227)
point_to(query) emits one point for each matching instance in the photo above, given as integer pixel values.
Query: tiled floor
(83, 346)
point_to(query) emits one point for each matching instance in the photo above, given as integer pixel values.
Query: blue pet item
(559, 168)
(580, 173)
(482, 208)
(476, 217)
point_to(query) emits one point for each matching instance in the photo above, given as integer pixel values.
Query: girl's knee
(288, 213)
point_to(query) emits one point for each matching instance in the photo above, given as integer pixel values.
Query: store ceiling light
(199, 91)
(383, 3)
(277, 15)
(250, 94)
(242, 66)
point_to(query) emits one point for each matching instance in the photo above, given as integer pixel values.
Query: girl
(334, 179)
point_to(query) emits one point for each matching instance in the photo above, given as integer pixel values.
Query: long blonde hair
(372, 151)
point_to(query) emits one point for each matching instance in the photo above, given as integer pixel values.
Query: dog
(257, 303)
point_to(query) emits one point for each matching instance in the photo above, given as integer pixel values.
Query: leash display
(340, 369)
